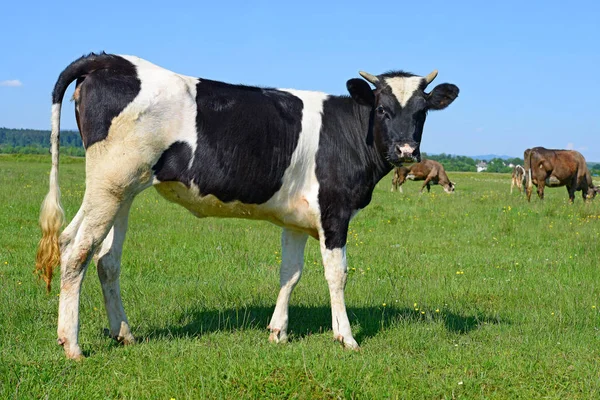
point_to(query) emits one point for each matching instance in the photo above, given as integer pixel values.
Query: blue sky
(527, 70)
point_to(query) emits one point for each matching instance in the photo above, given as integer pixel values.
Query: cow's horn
(371, 78)
(429, 78)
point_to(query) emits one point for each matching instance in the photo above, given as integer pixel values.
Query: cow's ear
(361, 92)
(441, 96)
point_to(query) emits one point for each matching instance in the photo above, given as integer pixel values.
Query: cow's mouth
(397, 161)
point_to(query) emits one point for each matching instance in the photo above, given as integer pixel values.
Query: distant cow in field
(518, 178)
(553, 168)
(305, 161)
(432, 172)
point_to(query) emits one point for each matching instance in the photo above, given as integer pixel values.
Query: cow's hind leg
(67, 236)
(582, 184)
(292, 261)
(108, 262)
(540, 189)
(99, 210)
(399, 184)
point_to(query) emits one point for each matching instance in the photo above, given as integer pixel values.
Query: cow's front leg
(426, 184)
(571, 191)
(292, 261)
(333, 251)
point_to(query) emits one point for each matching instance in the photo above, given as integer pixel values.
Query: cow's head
(399, 106)
(449, 188)
(592, 192)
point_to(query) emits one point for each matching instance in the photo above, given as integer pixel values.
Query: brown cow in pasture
(432, 172)
(553, 168)
(518, 178)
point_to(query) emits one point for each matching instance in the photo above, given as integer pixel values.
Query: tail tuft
(48, 254)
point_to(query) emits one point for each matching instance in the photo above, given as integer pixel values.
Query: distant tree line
(468, 164)
(453, 163)
(31, 141)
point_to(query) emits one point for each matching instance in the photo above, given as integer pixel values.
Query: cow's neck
(363, 137)
(443, 180)
(348, 162)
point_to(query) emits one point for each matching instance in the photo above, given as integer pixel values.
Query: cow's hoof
(72, 352)
(125, 339)
(278, 336)
(347, 343)
(75, 355)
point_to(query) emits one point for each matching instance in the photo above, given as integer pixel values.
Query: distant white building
(481, 166)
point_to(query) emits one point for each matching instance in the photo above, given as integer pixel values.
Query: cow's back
(421, 169)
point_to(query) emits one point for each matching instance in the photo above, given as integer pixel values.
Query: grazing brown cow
(432, 172)
(518, 178)
(553, 168)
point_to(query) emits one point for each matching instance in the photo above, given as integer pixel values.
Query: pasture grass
(473, 295)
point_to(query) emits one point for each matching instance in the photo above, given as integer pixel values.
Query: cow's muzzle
(406, 153)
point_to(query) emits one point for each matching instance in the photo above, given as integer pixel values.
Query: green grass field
(473, 295)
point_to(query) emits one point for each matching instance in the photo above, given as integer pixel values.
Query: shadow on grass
(305, 321)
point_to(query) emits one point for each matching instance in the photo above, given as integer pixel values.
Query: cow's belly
(293, 213)
(553, 181)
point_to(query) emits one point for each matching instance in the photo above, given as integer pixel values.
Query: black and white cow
(305, 161)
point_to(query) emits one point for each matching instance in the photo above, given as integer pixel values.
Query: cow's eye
(380, 110)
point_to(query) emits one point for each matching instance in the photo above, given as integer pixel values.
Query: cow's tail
(529, 188)
(52, 216)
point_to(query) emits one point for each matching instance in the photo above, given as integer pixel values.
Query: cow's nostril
(398, 149)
